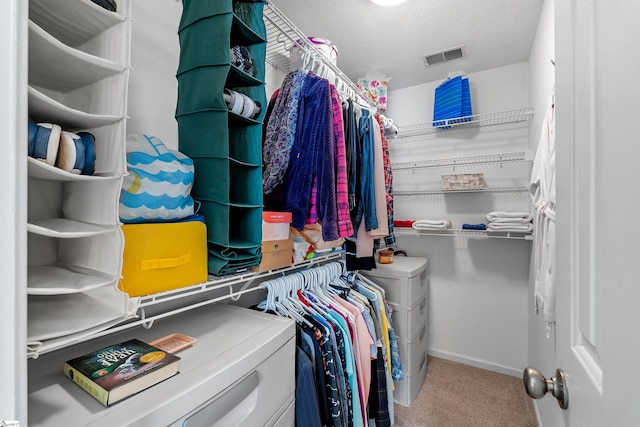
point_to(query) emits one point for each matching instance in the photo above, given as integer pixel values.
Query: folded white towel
(518, 221)
(520, 217)
(520, 228)
(427, 224)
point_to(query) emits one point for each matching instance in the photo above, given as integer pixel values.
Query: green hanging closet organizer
(226, 148)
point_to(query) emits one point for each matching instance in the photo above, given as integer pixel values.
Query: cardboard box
(162, 257)
(275, 225)
(275, 254)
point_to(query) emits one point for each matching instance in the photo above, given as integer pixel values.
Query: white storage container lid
(402, 266)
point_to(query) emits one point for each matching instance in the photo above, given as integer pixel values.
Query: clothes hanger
(306, 57)
(313, 294)
(279, 287)
(323, 279)
(295, 283)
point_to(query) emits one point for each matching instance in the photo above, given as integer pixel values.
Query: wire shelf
(478, 120)
(484, 159)
(282, 35)
(518, 189)
(471, 234)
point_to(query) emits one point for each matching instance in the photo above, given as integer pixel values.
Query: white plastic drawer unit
(404, 281)
(240, 371)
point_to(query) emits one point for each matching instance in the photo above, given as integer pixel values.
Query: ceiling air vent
(443, 56)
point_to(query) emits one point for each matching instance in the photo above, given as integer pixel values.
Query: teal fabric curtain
(226, 148)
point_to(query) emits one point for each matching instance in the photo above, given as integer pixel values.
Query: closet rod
(282, 35)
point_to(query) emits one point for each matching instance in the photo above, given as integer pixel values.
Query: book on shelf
(118, 371)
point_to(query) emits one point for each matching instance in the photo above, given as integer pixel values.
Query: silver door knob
(537, 385)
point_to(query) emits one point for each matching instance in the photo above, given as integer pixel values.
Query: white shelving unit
(428, 173)
(509, 117)
(78, 78)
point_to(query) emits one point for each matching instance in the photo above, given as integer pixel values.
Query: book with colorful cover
(121, 370)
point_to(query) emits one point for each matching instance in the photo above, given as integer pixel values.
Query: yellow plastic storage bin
(162, 257)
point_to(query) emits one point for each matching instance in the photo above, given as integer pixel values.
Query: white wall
(542, 350)
(478, 288)
(155, 52)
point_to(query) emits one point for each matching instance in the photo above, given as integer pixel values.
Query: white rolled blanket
(428, 224)
(503, 226)
(512, 217)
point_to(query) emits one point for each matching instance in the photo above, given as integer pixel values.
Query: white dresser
(240, 371)
(405, 283)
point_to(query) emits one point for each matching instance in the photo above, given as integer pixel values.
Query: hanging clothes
(351, 362)
(307, 405)
(543, 195)
(312, 159)
(280, 130)
(338, 172)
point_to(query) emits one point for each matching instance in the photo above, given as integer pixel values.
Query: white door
(598, 209)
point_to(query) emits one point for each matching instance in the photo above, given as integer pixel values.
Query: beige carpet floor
(457, 395)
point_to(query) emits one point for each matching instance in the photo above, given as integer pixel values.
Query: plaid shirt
(345, 227)
(390, 240)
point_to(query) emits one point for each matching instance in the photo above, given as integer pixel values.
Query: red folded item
(403, 223)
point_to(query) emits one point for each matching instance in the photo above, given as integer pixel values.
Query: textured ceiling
(392, 41)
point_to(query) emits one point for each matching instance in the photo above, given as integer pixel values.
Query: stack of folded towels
(428, 224)
(510, 221)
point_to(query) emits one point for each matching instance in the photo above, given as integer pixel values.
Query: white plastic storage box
(405, 284)
(404, 280)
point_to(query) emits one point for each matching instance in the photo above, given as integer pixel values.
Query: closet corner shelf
(471, 234)
(478, 120)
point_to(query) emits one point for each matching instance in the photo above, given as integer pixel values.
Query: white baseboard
(537, 411)
(478, 363)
